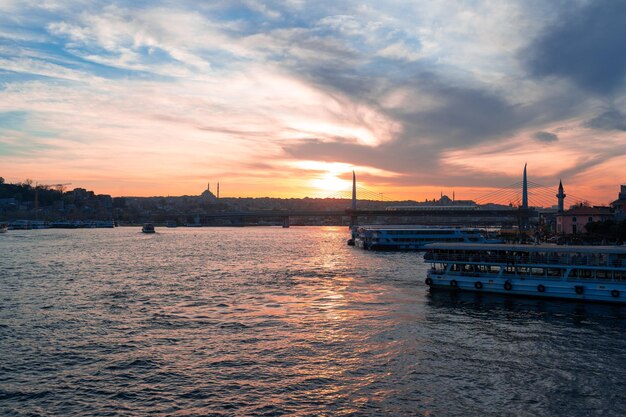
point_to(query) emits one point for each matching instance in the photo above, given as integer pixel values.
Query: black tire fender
(454, 284)
(478, 285)
(541, 288)
(508, 286)
(615, 293)
(429, 281)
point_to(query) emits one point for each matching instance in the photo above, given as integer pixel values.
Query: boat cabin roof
(526, 248)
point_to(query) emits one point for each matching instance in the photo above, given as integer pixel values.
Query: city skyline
(286, 99)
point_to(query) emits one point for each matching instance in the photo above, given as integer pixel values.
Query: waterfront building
(619, 205)
(575, 219)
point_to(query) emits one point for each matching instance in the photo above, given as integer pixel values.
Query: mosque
(207, 195)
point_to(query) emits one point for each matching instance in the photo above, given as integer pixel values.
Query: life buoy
(541, 288)
(429, 281)
(454, 284)
(478, 285)
(579, 289)
(615, 293)
(508, 286)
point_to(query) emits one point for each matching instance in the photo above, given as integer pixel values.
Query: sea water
(271, 321)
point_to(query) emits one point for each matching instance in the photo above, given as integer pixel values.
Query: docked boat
(148, 228)
(20, 225)
(4, 227)
(39, 224)
(584, 273)
(406, 237)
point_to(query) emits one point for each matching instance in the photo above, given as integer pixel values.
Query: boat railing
(533, 259)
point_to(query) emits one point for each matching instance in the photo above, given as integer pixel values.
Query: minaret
(353, 191)
(561, 196)
(218, 190)
(208, 186)
(525, 190)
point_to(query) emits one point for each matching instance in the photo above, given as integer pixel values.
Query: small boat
(581, 273)
(148, 228)
(4, 227)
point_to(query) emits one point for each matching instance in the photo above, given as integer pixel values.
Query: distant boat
(20, 225)
(148, 228)
(66, 224)
(4, 227)
(39, 224)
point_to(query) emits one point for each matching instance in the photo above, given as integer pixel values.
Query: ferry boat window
(590, 219)
(603, 275)
(619, 276)
(554, 272)
(538, 271)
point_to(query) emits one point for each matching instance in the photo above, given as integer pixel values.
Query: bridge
(513, 208)
(482, 217)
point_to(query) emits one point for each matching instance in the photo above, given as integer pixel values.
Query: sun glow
(330, 182)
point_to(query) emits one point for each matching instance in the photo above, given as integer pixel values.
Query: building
(575, 219)
(619, 205)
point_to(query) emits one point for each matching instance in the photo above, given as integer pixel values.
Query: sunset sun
(330, 182)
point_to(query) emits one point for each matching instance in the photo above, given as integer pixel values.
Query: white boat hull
(608, 291)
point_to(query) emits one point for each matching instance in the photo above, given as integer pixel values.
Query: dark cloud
(546, 137)
(461, 117)
(443, 114)
(609, 120)
(585, 46)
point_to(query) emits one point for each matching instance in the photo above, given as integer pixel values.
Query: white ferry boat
(406, 237)
(4, 227)
(585, 273)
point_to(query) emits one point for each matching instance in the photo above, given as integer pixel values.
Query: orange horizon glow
(324, 186)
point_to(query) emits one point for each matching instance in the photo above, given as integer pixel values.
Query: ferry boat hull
(595, 274)
(597, 292)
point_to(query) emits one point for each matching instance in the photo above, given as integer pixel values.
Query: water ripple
(272, 322)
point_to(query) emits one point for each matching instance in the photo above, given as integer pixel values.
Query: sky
(287, 98)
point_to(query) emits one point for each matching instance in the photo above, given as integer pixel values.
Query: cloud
(609, 120)
(400, 51)
(545, 137)
(585, 46)
(402, 90)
